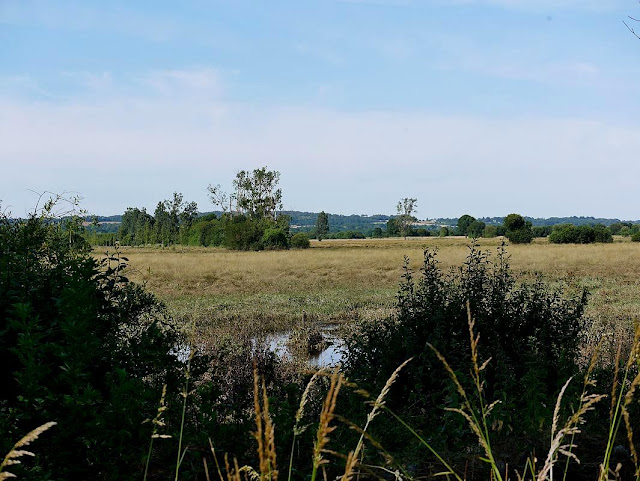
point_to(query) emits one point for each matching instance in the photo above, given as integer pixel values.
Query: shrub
(584, 234)
(514, 222)
(529, 330)
(490, 231)
(518, 231)
(602, 234)
(300, 241)
(241, 233)
(275, 238)
(520, 236)
(542, 231)
(636, 237)
(80, 345)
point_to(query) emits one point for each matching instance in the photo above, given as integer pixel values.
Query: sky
(480, 107)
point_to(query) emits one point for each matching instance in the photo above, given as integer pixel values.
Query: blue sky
(472, 106)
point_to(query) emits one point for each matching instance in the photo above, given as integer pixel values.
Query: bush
(520, 236)
(275, 238)
(81, 346)
(518, 231)
(529, 330)
(602, 234)
(490, 231)
(300, 241)
(584, 234)
(241, 233)
(636, 237)
(542, 231)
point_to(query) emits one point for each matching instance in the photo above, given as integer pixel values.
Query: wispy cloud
(86, 144)
(184, 82)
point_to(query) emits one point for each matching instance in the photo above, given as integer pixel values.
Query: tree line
(251, 218)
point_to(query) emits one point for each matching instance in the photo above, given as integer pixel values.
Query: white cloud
(127, 151)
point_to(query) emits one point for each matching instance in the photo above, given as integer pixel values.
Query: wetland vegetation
(94, 340)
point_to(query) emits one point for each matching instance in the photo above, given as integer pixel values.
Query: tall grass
(339, 281)
(476, 411)
(13, 456)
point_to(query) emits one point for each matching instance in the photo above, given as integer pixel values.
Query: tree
(519, 231)
(257, 194)
(405, 208)
(322, 225)
(476, 228)
(392, 227)
(514, 222)
(464, 223)
(220, 197)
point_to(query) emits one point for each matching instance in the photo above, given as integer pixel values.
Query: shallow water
(330, 356)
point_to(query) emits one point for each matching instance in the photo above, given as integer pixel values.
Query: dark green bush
(530, 331)
(242, 233)
(602, 234)
(542, 231)
(300, 241)
(275, 238)
(583, 234)
(81, 346)
(636, 237)
(520, 236)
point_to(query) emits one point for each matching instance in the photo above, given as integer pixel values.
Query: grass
(474, 409)
(336, 281)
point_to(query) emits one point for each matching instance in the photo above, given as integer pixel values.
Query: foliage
(464, 222)
(520, 236)
(583, 234)
(519, 231)
(490, 231)
(256, 193)
(542, 231)
(514, 222)
(81, 345)
(275, 238)
(207, 231)
(393, 227)
(635, 237)
(405, 209)
(347, 235)
(322, 225)
(169, 225)
(300, 241)
(530, 331)
(476, 228)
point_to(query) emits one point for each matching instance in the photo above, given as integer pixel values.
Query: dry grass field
(340, 280)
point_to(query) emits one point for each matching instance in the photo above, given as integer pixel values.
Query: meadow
(338, 281)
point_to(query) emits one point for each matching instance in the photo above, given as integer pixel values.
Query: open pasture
(337, 281)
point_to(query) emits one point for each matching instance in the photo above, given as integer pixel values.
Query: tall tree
(405, 208)
(464, 223)
(220, 197)
(322, 225)
(257, 194)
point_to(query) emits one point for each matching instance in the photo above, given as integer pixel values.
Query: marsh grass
(474, 408)
(339, 281)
